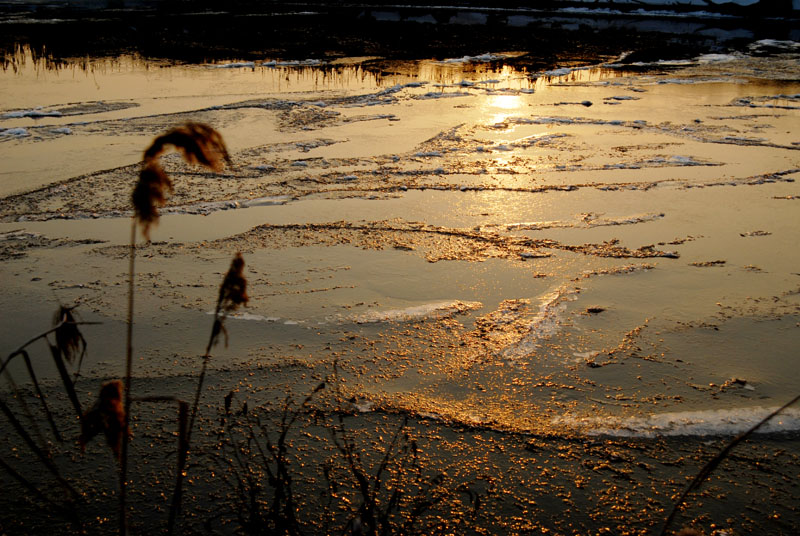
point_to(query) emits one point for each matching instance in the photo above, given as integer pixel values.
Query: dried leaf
(199, 144)
(233, 291)
(107, 416)
(149, 194)
(69, 340)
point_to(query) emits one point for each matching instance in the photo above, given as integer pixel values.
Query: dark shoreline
(248, 31)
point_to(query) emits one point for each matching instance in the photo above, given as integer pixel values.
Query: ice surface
(35, 113)
(15, 132)
(417, 312)
(685, 423)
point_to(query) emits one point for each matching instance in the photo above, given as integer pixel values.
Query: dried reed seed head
(69, 341)
(150, 193)
(233, 291)
(198, 143)
(107, 416)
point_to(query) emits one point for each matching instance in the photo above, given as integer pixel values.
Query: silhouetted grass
(110, 415)
(199, 144)
(714, 462)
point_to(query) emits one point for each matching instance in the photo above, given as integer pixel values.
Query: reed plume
(232, 294)
(149, 194)
(69, 341)
(106, 416)
(198, 144)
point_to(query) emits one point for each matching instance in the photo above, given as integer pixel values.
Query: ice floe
(271, 64)
(440, 309)
(441, 95)
(18, 132)
(717, 58)
(35, 113)
(545, 322)
(481, 58)
(252, 317)
(232, 65)
(774, 43)
(684, 423)
(588, 220)
(19, 235)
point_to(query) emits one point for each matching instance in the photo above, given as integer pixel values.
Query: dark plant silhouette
(199, 144)
(257, 468)
(232, 295)
(67, 341)
(106, 416)
(714, 462)
(368, 491)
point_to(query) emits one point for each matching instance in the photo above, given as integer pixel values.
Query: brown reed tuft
(197, 143)
(233, 291)
(232, 294)
(69, 341)
(149, 194)
(107, 416)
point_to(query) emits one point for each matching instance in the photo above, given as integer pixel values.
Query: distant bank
(757, 7)
(553, 30)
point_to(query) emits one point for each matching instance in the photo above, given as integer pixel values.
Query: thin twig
(41, 396)
(43, 457)
(42, 336)
(712, 464)
(123, 467)
(69, 387)
(20, 398)
(68, 513)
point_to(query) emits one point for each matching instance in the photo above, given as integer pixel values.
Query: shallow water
(603, 250)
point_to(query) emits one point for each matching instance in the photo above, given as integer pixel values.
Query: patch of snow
(442, 309)
(35, 113)
(15, 132)
(722, 422)
(481, 58)
(232, 65)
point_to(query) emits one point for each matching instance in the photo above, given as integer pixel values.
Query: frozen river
(597, 251)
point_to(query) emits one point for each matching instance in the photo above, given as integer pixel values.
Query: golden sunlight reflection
(505, 102)
(497, 108)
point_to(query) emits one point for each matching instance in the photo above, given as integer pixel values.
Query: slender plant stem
(123, 464)
(709, 467)
(177, 495)
(197, 393)
(64, 510)
(42, 398)
(42, 455)
(42, 336)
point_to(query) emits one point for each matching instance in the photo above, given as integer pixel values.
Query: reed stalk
(232, 294)
(198, 144)
(712, 464)
(123, 464)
